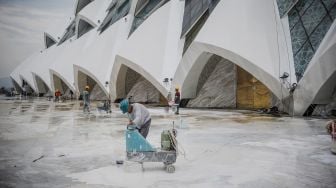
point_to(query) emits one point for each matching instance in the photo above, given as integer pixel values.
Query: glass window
(333, 12)
(309, 21)
(302, 59)
(302, 5)
(299, 37)
(293, 18)
(313, 16)
(318, 35)
(329, 3)
(285, 6)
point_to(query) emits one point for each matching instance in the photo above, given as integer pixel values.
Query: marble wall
(325, 109)
(42, 87)
(58, 84)
(140, 89)
(217, 85)
(97, 93)
(131, 79)
(143, 91)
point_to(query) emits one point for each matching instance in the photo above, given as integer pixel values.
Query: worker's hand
(130, 122)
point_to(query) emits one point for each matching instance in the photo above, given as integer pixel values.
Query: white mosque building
(239, 54)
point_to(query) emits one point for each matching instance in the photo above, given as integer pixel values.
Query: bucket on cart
(138, 149)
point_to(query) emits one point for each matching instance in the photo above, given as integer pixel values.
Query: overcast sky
(22, 23)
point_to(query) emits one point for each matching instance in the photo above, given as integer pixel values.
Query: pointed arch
(25, 85)
(121, 67)
(84, 78)
(196, 57)
(16, 85)
(216, 82)
(59, 82)
(41, 86)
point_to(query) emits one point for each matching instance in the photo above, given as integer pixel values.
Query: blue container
(135, 142)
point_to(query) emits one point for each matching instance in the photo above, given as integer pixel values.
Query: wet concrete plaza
(46, 144)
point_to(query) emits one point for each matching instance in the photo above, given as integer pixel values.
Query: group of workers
(58, 95)
(138, 114)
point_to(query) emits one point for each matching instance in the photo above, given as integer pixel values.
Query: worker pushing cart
(138, 149)
(138, 115)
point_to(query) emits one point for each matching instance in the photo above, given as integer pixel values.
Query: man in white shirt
(138, 115)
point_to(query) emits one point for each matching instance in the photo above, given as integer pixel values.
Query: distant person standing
(57, 95)
(24, 92)
(71, 94)
(86, 99)
(177, 99)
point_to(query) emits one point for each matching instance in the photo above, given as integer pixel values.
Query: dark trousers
(177, 108)
(145, 128)
(86, 107)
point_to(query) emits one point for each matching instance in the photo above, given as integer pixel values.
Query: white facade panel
(248, 33)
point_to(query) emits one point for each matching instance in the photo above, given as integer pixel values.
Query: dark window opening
(83, 27)
(49, 41)
(194, 31)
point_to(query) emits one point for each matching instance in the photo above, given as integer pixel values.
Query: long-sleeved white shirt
(140, 115)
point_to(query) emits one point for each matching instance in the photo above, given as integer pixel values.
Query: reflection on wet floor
(55, 120)
(25, 108)
(64, 107)
(35, 119)
(254, 119)
(216, 141)
(41, 107)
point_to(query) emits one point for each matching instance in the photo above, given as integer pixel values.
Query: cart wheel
(170, 169)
